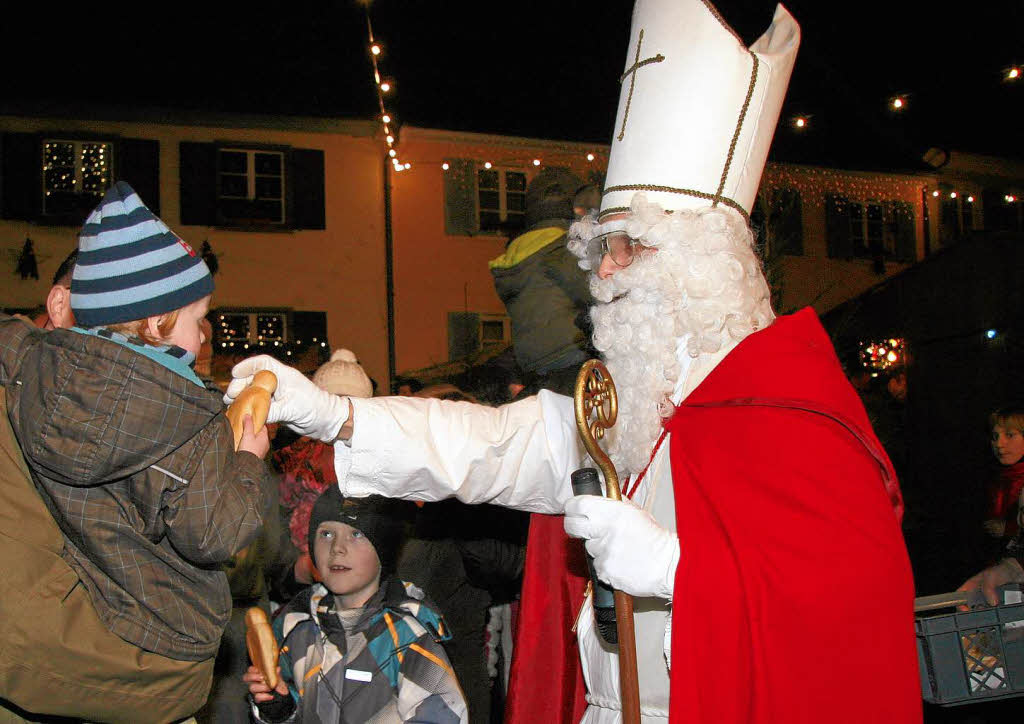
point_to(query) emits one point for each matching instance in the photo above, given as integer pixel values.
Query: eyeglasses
(618, 245)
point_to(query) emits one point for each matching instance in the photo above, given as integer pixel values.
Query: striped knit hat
(131, 266)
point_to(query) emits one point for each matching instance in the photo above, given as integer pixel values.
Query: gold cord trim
(725, 200)
(637, 65)
(739, 126)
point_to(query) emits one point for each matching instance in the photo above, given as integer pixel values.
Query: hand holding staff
(595, 396)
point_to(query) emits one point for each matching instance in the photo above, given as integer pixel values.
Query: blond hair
(139, 328)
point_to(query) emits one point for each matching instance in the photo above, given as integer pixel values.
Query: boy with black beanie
(359, 645)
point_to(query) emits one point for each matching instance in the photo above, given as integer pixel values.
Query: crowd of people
(387, 537)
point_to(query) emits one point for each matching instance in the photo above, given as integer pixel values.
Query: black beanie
(380, 519)
(549, 198)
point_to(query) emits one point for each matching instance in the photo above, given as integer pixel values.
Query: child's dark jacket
(138, 468)
(381, 663)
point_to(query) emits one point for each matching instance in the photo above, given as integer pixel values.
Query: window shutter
(790, 222)
(21, 184)
(460, 217)
(906, 240)
(837, 227)
(305, 183)
(138, 163)
(198, 180)
(463, 334)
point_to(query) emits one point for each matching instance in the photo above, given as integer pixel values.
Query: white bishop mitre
(697, 108)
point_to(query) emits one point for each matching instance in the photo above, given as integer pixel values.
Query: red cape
(794, 597)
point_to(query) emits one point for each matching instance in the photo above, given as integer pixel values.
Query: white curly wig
(703, 288)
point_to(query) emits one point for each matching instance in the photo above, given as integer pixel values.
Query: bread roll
(253, 400)
(259, 639)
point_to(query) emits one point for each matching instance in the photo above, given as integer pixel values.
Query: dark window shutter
(463, 334)
(460, 217)
(790, 222)
(138, 163)
(837, 227)
(906, 240)
(306, 198)
(198, 175)
(21, 185)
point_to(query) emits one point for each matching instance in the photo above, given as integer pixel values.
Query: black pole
(389, 274)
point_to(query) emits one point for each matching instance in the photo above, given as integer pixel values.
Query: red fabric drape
(546, 680)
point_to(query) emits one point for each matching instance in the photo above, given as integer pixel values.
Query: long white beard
(703, 287)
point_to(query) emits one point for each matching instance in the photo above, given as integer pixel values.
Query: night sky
(537, 69)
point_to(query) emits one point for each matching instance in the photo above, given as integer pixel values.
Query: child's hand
(261, 693)
(256, 443)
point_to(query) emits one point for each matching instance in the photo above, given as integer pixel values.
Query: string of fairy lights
(385, 86)
(802, 179)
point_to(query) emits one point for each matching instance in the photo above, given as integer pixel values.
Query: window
(470, 333)
(501, 199)
(76, 175)
(873, 229)
(867, 223)
(250, 328)
(56, 178)
(479, 199)
(250, 186)
(956, 217)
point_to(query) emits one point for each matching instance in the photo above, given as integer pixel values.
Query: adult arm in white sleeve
(519, 455)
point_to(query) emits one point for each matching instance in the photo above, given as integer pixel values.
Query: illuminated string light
(882, 355)
(445, 166)
(1013, 73)
(590, 157)
(536, 162)
(383, 86)
(488, 164)
(800, 122)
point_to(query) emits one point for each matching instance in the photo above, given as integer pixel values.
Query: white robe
(520, 456)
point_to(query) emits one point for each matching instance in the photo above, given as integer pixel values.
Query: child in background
(1007, 425)
(135, 460)
(361, 645)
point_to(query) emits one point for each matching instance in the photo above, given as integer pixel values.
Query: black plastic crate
(971, 656)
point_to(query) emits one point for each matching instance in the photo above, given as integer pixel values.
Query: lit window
(76, 174)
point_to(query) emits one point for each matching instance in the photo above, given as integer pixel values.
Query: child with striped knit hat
(136, 462)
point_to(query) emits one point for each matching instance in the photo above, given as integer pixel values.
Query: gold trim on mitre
(701, 117)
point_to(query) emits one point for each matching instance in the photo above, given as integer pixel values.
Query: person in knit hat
(373, 642)
(136, 462)
(307, 465)
(343, 375)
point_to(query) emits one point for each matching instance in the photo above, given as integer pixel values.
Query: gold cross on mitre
(631, 72)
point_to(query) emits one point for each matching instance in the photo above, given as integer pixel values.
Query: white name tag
(357, 675)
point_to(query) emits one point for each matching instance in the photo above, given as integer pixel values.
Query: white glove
(631, 552)
(297, 402)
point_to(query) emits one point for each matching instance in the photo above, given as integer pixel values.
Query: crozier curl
(702, 289)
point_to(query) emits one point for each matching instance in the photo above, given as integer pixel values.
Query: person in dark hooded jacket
(135, 461)
(545, 292)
